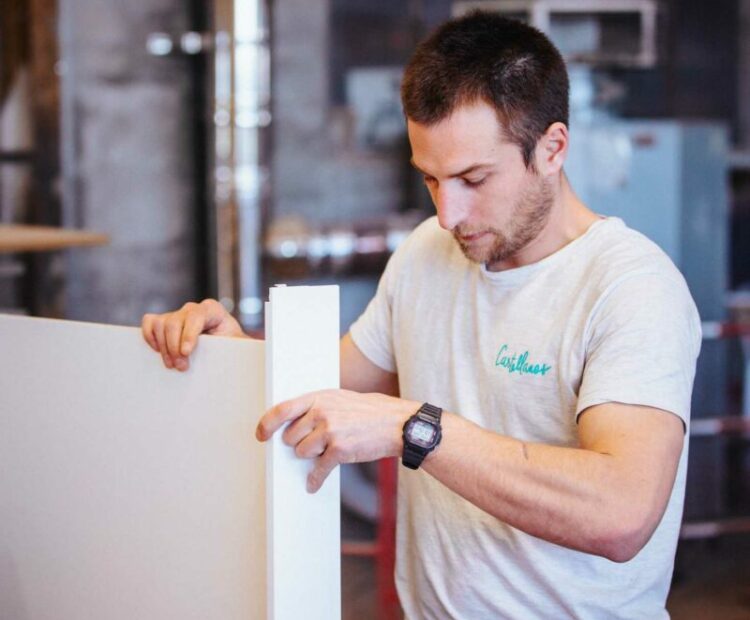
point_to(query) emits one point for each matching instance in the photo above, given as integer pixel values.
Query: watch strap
(431, 411)
(412, 458)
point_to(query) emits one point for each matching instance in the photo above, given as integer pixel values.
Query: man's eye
(474, 182)
(429, 180)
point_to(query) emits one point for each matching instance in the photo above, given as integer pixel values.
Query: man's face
(479, 183)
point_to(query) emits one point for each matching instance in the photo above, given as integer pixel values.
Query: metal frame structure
(540, 13)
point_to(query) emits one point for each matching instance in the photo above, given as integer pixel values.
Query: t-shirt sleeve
(372, 332)
(642, 341)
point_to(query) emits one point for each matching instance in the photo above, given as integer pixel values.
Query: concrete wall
(127, 159)
(319, 172)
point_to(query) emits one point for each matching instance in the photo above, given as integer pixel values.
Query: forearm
(573, 497)
(604, 498)
(359, 374)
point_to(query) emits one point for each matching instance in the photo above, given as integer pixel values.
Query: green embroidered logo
(520, 364)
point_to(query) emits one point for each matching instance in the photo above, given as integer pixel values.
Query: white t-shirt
(522, 352)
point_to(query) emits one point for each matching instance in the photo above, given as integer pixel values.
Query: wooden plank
(126, 490)
(302, 329)
(22, 238)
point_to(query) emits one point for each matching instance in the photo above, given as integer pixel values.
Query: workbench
(30, 238)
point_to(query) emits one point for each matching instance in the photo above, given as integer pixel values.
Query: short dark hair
(484, 56)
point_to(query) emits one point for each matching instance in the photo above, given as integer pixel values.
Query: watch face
(422, 433)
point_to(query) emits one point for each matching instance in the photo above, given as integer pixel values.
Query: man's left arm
(605, 497)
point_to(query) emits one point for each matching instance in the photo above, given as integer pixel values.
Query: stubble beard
(530, 215)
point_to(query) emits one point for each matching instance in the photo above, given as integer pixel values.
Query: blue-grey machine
(666, 179)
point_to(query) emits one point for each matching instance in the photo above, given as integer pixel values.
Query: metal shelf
(16, 157)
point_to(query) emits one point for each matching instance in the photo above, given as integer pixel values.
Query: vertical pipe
(252, 120)
(242, 180)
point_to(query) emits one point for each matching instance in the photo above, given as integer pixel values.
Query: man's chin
(475, 254)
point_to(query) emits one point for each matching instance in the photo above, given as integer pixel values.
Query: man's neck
(568, 219)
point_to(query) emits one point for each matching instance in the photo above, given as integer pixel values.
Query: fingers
(309, 432)
(312, 445)
(192, 328)
(282, 413)
(173, 335)
(328, 457)
(147, 330)
(160, 337)
(323, 466)
(298, 429)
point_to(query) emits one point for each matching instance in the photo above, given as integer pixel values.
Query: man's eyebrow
(469, 170)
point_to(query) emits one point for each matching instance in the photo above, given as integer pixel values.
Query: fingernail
(309, 486)
(181, 364)
(185, 349)
(258, 434)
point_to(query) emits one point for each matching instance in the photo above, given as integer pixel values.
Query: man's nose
(450, 209)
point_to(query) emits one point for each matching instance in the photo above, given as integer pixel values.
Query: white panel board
(304, 552)
(128, 491)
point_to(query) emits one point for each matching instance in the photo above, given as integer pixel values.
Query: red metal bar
(727, 425)
(383, 548)
(386, 540)
(714, 330)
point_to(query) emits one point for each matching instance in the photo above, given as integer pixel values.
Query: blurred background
(159, 152)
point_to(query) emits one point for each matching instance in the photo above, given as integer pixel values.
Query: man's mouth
(471, 238)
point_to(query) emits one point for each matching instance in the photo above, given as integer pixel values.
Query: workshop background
(216, 147)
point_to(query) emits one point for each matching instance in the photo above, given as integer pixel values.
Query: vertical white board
(304, 540)
(128, 491)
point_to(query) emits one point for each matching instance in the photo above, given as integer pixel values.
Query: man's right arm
(174, 335)
(359, 374)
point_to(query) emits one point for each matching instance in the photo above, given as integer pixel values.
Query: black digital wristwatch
(422, 433)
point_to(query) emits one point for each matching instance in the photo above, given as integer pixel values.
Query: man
(559, 345)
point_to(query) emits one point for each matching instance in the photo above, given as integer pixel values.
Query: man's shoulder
(620, 252)
(625, 267)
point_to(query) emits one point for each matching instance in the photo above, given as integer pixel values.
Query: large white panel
(304, 552)
(128, 491)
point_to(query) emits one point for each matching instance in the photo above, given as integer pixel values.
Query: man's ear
(551, 150)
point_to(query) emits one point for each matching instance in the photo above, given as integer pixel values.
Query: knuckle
(286, 437)
(320, 418)
(209, 304)
(338, 452)
(173, 323)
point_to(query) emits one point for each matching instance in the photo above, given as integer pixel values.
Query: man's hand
(339, 426)
(175, 334)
